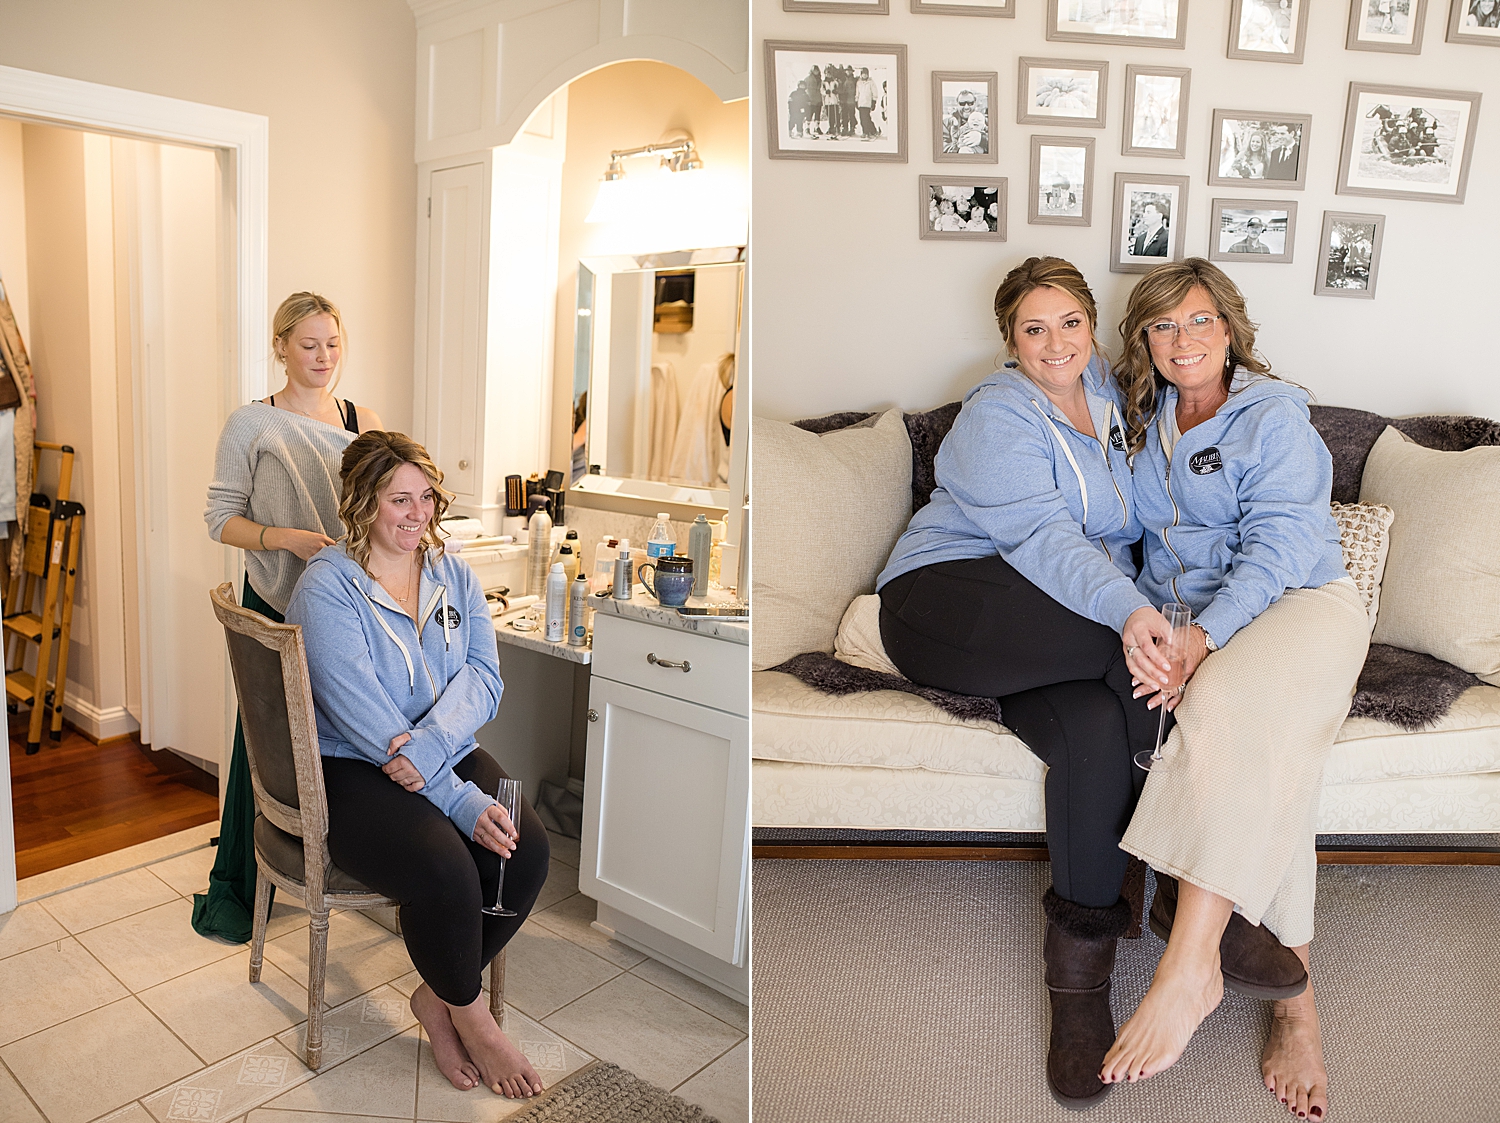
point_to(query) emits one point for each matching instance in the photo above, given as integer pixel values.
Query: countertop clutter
(642, 606)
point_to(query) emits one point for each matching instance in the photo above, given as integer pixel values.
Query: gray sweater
(276, 468)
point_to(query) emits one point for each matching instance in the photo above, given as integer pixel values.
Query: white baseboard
(90, 720)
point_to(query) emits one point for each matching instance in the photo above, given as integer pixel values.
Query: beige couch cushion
(839, 503)
(1441, 589)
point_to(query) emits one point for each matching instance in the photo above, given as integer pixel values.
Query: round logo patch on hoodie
(454, 619)
(1206, 463)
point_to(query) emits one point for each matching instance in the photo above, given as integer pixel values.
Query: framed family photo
(961, 208)
(1402, 142)
(836, 101)
(1247, 146)
(1061, 187)
(1474, 21)
(1386, 25)
(1053, 91)
(1145, 226)
(1252, 230)
(1005, 9)
(1349, 254)
(1156, 105)
(963, 107)
(1268, 30)
(862, 7)
(1160, 23)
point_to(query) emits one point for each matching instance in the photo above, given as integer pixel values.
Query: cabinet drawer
(719, 674)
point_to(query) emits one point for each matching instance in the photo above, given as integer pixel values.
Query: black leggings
(398, 843)
(979, 627)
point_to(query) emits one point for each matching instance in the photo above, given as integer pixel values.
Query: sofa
(835, 492)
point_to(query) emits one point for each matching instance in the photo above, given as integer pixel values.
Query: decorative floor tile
(723, 1088)
(154, 946)
(355, 1026)
(574, 919)
(410, 981)
(130, 1113)
(217, 1011)
(361, 955)
(27, 927)
(50, 984)
(277, 1115)
(227, 1090)
(381, 1082)
(89, 906)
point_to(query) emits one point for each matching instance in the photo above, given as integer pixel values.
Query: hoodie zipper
(1077, 471)
(1176, 514)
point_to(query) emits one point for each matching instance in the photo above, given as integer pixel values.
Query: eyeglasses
(1197, 327)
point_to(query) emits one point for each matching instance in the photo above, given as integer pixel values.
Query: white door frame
(243, 140)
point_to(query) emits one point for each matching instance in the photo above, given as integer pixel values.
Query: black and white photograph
(1250, 147)
(1268, 30)
(1062, 181)
(1005, 9)
(1252, 230)
(1387, 25)
(1349, 254)
(863, 7)
(836, 101)
(1145, 227)
(1474, 21)
(962, 106)
(961, 207)
(1057, 91)
(1156, 105)
(1142, 23)
(1407, 143)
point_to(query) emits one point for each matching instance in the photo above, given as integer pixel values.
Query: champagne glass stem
(1161, 729)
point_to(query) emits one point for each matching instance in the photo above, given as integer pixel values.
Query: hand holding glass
(1175, 651)
(508, 796)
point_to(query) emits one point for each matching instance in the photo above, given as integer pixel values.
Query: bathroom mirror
(657, 349)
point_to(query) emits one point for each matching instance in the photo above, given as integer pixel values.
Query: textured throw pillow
(828, 509)
(1364, 534)
(1441, 590)
(858, 642)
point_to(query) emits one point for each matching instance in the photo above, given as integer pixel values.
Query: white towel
(699, 446)
(7, 468)
(663, 419)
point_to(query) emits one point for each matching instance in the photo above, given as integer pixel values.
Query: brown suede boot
(1254, 961)
(1079, 953)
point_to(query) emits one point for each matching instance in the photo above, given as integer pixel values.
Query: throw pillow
(828, 510)
(858, 642)
(1441, 590)
(1364, 534)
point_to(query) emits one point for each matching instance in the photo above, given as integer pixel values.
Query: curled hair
(1161, 290)
(1035, 273)
(369, 463)
(296, 308)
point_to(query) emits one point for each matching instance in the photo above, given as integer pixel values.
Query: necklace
(288, 406)
(403, 597)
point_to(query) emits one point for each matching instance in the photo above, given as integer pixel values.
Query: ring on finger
(1131, 650)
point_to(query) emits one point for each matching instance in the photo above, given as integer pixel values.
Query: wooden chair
(291, 806)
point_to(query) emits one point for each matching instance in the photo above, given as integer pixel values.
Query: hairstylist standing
(275, 495)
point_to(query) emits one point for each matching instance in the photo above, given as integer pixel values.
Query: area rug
(908, 992)
(600, 1092)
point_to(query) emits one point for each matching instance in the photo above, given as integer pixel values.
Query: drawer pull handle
(654, 661)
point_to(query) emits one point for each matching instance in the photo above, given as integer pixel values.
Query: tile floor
(112, 1008)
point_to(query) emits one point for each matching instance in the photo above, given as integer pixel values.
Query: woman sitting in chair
(404, 669)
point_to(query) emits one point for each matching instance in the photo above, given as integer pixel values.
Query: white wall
(851, 311)
(13, 223)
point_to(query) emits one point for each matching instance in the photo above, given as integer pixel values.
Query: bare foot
(1292, 1063)
(1183, 993)
(447, 1050)
(503, 1068)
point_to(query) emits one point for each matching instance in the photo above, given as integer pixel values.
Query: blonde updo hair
(296, 308)
(1161, 290)
(1042, 272)
(369, 463)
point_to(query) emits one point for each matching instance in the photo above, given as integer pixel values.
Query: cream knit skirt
(1232, 806)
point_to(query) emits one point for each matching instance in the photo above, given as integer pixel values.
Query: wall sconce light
(678, 206)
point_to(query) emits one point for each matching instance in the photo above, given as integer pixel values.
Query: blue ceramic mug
(673, 579)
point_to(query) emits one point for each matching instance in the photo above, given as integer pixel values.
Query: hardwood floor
(77, 800)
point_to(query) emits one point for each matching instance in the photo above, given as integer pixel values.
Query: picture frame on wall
(1004, 9)
(1387, 25)
(1156, 106)
(1249, 146)
(836, 101)
(1474, 21)
(1162, 24)
(1059, 91)
(1060, 191)
(961, 208)
(1252, 231)
(1268, 30)
(1349, 255)
(1406, 142)
(963, 116)
(847, 7)
(1146, 221)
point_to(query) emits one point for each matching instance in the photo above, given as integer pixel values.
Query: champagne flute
(1179, 619)
(508, 796)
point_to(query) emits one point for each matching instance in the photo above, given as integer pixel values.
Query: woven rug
(907, 992)
(604, 1093)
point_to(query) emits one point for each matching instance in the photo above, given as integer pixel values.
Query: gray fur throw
(828, 675)
(1407, 688)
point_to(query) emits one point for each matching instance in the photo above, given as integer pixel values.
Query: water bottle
(700, 545)
(539, 547)
(578, 611)
(662, 543)
(557, 601)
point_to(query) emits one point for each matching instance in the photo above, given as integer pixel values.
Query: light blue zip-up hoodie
(1015, 477)
(1236, 509)
(376, 673)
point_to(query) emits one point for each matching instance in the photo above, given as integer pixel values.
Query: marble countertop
(534, 641)
(643, 607)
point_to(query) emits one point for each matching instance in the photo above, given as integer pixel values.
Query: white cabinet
(666, 788)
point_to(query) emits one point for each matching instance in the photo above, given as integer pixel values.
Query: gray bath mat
(600, 1092)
